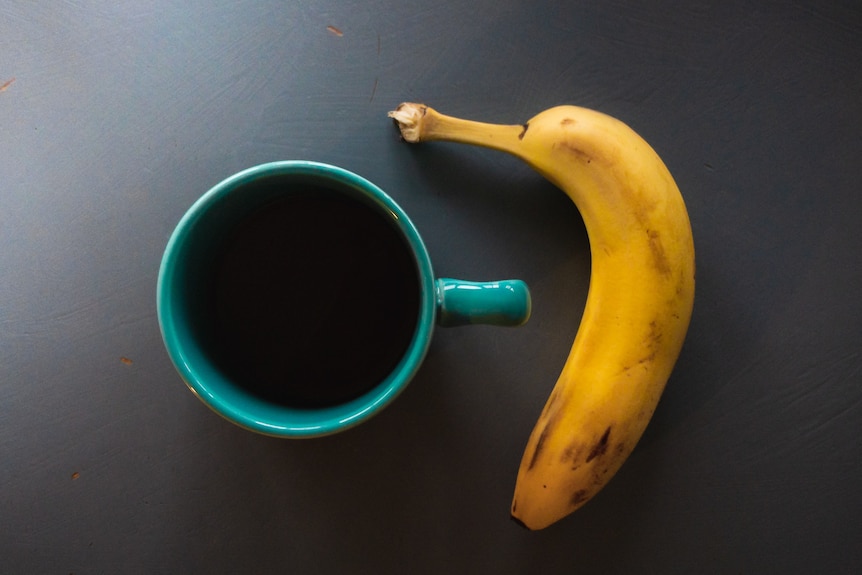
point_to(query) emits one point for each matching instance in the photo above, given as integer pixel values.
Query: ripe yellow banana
(638, 306)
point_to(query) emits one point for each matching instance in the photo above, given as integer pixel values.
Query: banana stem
(421, 123)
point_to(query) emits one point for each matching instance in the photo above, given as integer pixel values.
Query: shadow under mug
(297, 299)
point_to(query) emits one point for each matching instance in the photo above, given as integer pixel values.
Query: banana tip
(519, 522)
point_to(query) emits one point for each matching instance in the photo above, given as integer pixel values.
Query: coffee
(313, 298)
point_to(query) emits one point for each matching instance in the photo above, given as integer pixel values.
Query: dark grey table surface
(116, 116)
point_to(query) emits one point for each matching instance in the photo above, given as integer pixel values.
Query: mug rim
(227, 398)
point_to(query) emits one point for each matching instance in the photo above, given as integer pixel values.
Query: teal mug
(297, 299)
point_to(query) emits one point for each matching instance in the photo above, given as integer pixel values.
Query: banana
(638, 306)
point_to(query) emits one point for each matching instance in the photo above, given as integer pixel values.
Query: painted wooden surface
(115, 117)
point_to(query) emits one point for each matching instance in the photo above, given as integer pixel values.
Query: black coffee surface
(315, 300)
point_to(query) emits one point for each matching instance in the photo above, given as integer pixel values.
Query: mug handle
(503, 303)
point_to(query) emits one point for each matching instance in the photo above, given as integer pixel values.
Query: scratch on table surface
(335, 30)
(6, 84)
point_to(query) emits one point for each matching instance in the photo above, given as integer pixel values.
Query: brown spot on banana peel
(659, 257)
(540, 444)
(552, 400)
(579, 497)
(536, 451)
(550, 415)
(573, 453)
(524, 132)
(600, 474)
(599, 478)
(586, 154)
(601, 447)
(652, 342)
(576, 151)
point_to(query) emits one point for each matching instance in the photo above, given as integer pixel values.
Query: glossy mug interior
(296, 299)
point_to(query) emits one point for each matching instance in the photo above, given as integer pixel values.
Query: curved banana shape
(639, 302)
